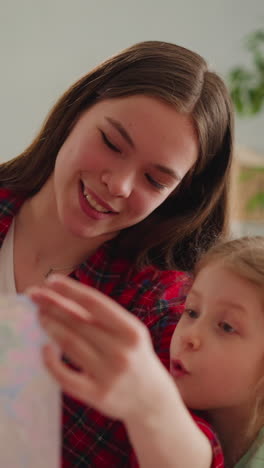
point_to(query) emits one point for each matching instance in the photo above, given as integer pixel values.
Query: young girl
(216, 362)
(126, 181)
(217, 350)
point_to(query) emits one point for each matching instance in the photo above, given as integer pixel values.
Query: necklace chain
(55, 269)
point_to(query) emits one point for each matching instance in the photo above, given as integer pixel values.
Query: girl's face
(122, 159)
(217, 350)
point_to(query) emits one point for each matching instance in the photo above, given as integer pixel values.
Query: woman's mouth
(93, 206)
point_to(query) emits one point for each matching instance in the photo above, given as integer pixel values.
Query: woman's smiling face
(122, 159)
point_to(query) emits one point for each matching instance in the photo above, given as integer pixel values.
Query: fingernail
(53, 277)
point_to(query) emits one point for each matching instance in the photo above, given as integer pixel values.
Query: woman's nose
(118, 184)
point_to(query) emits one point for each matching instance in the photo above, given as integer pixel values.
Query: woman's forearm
(169, 438)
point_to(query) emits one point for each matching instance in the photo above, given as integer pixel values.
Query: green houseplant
(246, 84)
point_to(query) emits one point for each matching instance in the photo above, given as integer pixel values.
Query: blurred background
(47, 45)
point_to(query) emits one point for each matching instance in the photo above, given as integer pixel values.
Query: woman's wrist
(163, 436)
(158, 402)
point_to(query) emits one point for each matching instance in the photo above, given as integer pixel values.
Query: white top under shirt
(7, 275)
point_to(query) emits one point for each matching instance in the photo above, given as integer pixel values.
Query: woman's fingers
(94, 351)
(57, 304)
(74, 383)
(113, 401)
(100, 306)
(115, 372)
(70, 301)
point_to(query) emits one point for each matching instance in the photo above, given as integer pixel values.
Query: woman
(127, 181)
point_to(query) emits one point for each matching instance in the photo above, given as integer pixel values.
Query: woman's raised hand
(120, 375)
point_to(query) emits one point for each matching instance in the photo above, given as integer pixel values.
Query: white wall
(47, 44)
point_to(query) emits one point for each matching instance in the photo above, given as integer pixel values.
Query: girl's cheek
(173, 343)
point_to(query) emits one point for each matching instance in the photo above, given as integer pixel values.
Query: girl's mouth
(177, 369)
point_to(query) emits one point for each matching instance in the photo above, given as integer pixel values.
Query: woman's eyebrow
(123, 132)
(169, 171)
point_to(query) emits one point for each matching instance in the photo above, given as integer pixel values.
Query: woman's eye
(153, 182)
(227, 328)
(109, 143)
(191, 313)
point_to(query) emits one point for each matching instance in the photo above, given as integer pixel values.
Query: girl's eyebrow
(233, 305)
(223, 303)
(123, 132)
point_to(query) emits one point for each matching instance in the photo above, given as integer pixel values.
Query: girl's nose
(191, 341)
(119, 185)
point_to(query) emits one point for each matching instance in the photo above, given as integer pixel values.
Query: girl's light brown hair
(244, 257)
(190, 220)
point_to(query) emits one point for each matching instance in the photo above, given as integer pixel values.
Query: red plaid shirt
(156, 298)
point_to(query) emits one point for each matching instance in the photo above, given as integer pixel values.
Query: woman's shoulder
(147, 289)
(170, 283)
(9, 205)
(101, 270)
(10, 201)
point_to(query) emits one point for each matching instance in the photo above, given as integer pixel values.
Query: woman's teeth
(94, 204)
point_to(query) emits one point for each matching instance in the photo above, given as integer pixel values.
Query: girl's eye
(227, 328)
(154, 182)
(109, 143)
(191, 313)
